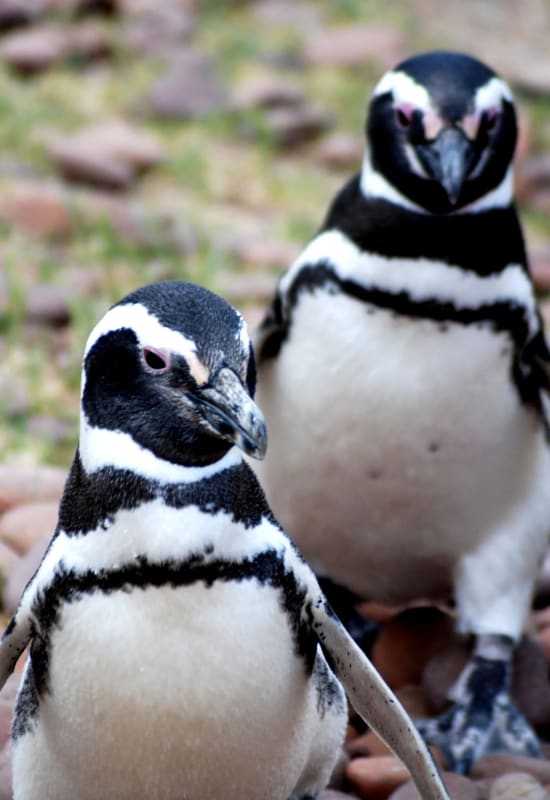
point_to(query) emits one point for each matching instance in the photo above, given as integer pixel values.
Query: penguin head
(169, 377)
(441, 131)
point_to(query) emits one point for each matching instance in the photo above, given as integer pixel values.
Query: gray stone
(191, 87)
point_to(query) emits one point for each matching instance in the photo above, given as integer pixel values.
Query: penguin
(180, 644)
(403, 374)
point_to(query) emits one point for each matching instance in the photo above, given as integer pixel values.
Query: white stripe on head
(150, 332)
(373, 184)
(404, 90)
(491, 94)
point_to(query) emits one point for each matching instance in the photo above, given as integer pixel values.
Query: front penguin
(403, 373)
(174, 627)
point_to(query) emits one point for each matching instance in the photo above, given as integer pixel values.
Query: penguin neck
(102, 448)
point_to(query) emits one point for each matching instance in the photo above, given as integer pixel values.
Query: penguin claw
(480, 722)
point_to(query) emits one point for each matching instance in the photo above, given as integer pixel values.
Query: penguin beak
(232, 414)
(449, 160)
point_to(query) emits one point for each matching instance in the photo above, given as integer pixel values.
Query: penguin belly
(396, 444)
(188, 693)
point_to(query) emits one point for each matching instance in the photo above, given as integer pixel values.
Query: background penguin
(403, 375)
(174, 626)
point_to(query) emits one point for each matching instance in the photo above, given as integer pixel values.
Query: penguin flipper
(482, 719)
(14, 640)
(372, 698)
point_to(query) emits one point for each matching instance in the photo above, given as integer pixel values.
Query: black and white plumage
(403, 373)
(174, 627)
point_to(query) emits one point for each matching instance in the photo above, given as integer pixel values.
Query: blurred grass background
(231, 198)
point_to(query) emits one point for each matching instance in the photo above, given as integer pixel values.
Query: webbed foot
(482, 719)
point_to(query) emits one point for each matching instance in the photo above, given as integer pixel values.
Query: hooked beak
(232, 414)
(448, 159)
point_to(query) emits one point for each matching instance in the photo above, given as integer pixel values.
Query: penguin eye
(491, 119)
(404, 116)
(156, 360)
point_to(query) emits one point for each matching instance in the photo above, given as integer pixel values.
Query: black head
(442, 131)
(169, 375)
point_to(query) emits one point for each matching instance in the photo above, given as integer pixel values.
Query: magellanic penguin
(176, 633)
(402, 371)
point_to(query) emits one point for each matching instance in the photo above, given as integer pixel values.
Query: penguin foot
(482, 719)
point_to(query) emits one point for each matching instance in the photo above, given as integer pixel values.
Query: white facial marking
(492, 94)
(404, 90)
(373, 184)
(150, 333)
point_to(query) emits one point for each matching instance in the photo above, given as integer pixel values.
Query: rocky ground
(203, 140)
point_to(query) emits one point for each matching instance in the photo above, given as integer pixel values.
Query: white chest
(394, 442)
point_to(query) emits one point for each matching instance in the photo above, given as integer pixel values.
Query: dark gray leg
(482, 718)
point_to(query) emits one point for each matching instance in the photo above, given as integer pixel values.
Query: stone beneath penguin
(177, 636)
(403, 373)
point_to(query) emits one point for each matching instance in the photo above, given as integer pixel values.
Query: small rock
(517, 786)
(88, 42)
(539, 263)
(530, 686)
(109, 155)
(265, 253)
(47, 304)
(407, 642)
(354, 45)
(266, 91)
(333, 794)
(293, 126)
(8, 559)
(190, 88)
(21, 575)
(497, 764)
(442, 671)
(51, 429)
(458, 786)
(339, 151)
(38, 210)
(15, 13)
(76, 162)
(19, 485)
(152, 27)
(376, 777)
(532, 174)
(35, 50)
(22, 526)
(241, 286)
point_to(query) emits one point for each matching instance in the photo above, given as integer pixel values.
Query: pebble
(6, 791)
(266, 91)
(191, 87)
(16, 13)
(441, 672)
(497, 764)
(340, 151)
(22, 484)
(150, 27)
(459, 788)
(39, 210)
(354, 45)
(7, 703)
(407, 642)
(539, 263)
(8, 560)
(48, 304)
(34, 50)
(376, 777)
(110, 154)
(517, 786)
(22, 526)
(292, 126)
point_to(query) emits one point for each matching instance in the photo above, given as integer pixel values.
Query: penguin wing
(271, 333)
(14, 640)
(375, 702)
